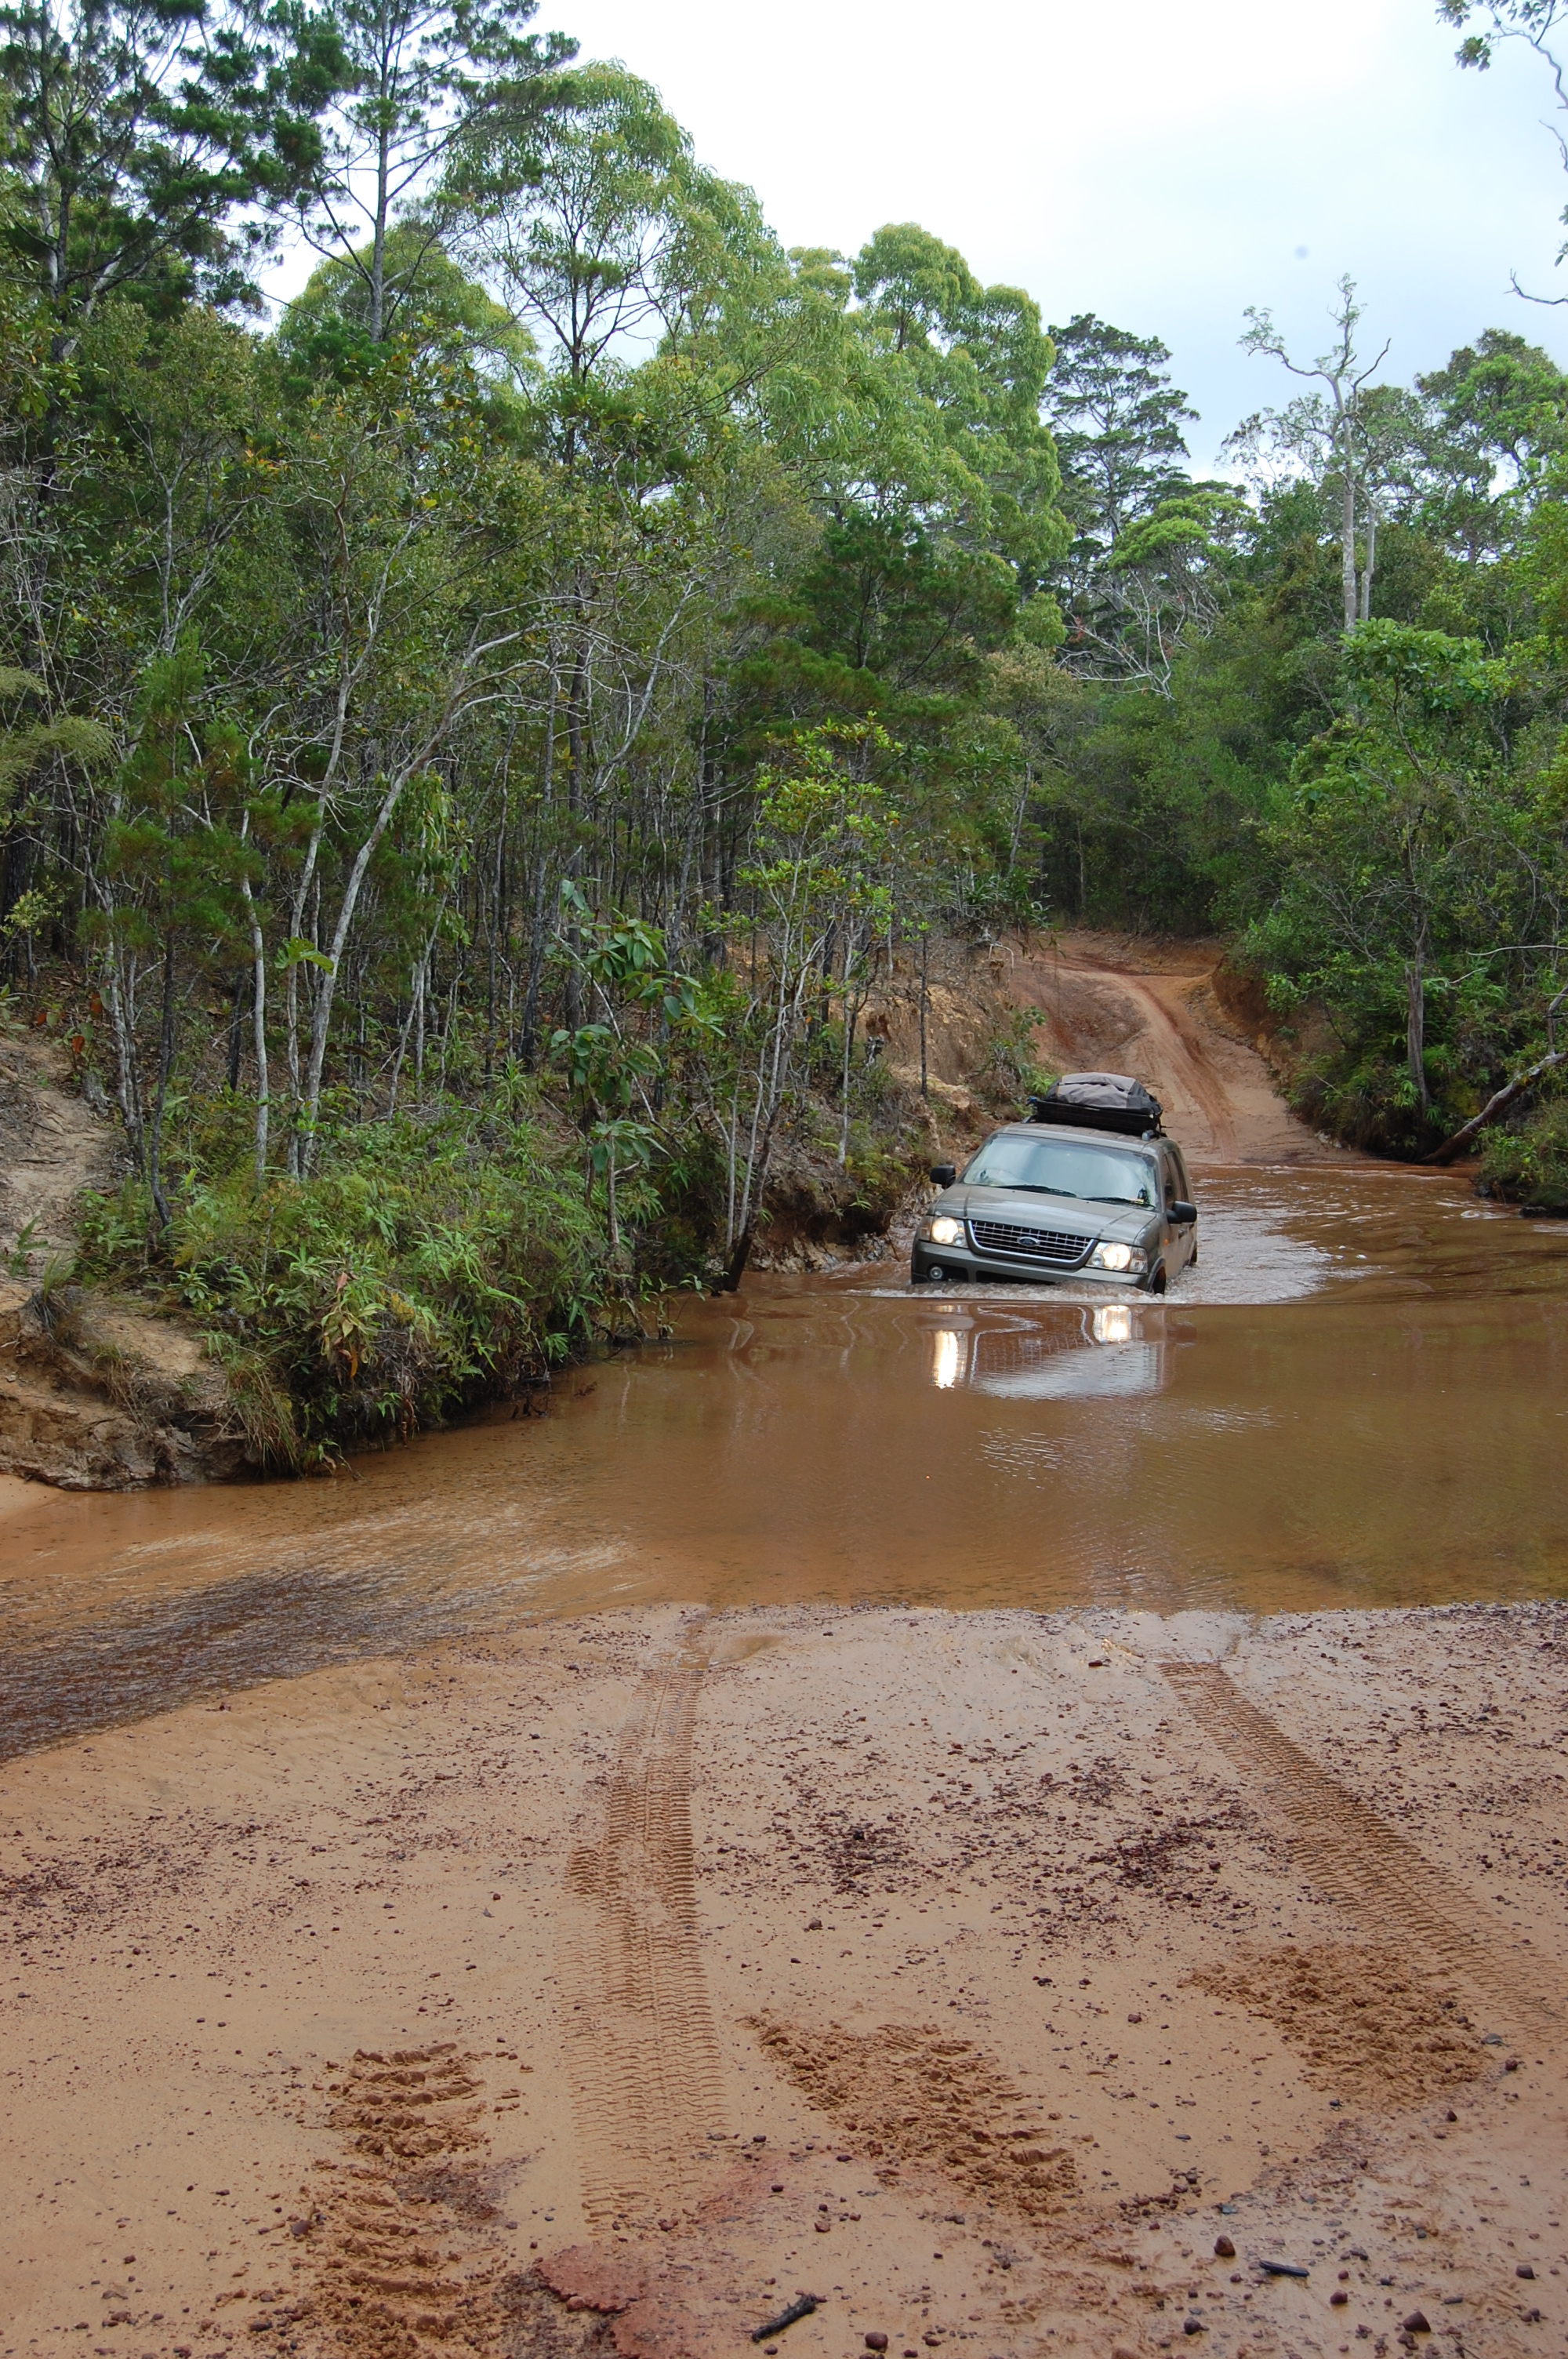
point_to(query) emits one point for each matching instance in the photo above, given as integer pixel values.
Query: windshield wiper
(1031, 1187)
(1134, 1200)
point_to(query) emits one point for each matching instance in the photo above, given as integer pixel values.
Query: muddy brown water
(1358, 1398)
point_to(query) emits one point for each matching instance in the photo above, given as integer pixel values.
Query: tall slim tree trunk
(236, 1033)
(122, 996)
(575, 760)
(528, 1038)
(1415, 1027)
(291, 992)
(304, 1141)
(1347, 542)
(378, 233)
(160, 1095)
(258, 1017)
(1365, 602)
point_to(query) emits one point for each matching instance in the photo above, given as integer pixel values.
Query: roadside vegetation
(472, 750)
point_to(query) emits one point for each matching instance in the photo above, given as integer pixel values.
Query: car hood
(1030, 1211)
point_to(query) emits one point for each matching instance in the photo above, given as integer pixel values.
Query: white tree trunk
(263, 1091)
(1364, 603)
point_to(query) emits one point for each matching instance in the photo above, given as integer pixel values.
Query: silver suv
(1048, 1203)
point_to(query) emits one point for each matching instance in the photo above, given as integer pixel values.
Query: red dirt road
(1152, 1011)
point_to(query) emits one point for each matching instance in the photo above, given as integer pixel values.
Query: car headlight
(1119, 1257)
(944, 1230)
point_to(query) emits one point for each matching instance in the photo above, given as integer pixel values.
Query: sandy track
(943, 1966)
(1366, 1864)
(639, 2035)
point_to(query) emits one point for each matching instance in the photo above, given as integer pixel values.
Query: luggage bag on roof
(1100, 1102)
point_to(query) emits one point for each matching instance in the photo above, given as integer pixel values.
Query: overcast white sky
(1162, 165)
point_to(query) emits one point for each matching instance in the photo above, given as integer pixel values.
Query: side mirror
(1181, 1212)
(945, 1173)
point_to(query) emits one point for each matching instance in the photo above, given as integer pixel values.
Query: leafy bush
(1530, 1165)
(1010, 1074)
(429, 1263)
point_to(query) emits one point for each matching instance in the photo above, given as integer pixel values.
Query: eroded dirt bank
(608, 1985)
(96, 1393)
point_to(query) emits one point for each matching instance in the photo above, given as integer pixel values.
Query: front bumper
(963, 1263)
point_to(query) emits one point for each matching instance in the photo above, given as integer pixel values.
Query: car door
(1179, 1240)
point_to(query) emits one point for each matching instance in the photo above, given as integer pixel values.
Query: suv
(1060, 1201)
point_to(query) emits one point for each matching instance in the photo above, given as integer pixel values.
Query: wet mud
(1000, 1980)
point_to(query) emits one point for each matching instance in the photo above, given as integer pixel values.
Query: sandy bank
(611, 1985)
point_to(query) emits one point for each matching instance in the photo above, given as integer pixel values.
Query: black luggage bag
(1100, 1102)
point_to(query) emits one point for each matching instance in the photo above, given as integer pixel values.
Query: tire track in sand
(639, 2035)
(1362, 1862)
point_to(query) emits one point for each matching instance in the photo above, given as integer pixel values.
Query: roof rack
(1110, 1102)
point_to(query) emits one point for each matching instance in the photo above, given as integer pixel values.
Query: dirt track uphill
(1152, 1011)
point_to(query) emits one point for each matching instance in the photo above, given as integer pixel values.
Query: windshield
(1062, 1167)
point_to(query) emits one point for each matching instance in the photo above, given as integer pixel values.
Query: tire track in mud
(639, 2035)
(402, 2237)
(1362, 1862)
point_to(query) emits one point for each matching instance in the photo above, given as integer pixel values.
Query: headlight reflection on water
(1003, 1362)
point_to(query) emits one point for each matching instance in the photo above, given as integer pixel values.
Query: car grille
(1062, 1246)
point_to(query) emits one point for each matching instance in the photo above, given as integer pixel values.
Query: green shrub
(429, 1264)
(1010, 1074)
(1529, 1165)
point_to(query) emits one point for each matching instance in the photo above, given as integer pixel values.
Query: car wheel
(1157, 1283)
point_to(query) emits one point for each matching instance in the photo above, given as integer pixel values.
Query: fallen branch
(1494, 1106)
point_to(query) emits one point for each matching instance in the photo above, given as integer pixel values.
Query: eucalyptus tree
(1332, 434)
(1404, 851)
(978, 358)
(819, 871)
(1167, 583)
(604, 241)
(412, 544)
(164, 875)
(1494, 424)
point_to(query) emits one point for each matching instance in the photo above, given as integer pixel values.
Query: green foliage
(430, 1263)
(1528, 1164)
(140, 141)
(1012, 1073)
